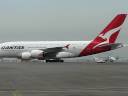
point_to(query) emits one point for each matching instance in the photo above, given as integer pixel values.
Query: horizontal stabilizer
(113, 46)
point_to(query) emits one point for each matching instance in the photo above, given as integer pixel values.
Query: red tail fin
(112, 30)
(109, 34)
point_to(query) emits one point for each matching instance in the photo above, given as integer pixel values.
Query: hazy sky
(58, 19)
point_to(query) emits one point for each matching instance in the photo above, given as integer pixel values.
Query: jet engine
(64, 55)
(37, 54)
(26, 55)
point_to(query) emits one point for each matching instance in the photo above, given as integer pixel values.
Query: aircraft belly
(8, 53)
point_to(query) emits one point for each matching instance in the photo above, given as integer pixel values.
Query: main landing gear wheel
(54, 60)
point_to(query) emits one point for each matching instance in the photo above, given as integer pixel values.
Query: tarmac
(63, 79)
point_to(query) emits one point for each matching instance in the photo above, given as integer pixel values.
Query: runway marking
(18, 92)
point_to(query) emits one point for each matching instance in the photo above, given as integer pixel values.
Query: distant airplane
(55, 51)
(105, 59)
(100, 60)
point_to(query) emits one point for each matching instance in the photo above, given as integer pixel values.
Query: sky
(48, 20)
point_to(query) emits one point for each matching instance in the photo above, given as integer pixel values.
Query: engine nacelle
(37, 54)
(26, 55)
(64, 55)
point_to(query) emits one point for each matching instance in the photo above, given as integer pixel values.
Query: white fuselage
(15, 49)
(46, 50)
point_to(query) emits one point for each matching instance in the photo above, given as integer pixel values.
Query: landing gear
(54, 60)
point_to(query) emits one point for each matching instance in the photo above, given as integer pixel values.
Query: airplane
(105, 59)
(56, 51)
(100, 60)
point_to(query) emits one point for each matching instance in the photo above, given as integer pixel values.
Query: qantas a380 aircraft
(55, 51)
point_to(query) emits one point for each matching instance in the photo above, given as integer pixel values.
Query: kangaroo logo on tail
(107, 36)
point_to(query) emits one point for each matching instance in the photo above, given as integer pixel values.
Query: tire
(54, 60)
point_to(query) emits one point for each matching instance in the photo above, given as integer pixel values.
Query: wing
(47, 53)
(52, 52)
(53, 49)
(42, 53)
